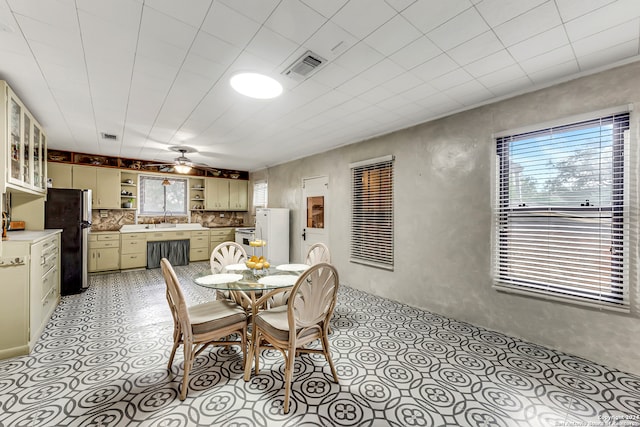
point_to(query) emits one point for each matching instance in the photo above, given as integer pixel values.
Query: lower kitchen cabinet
(30, 290)
(104, 251)
(133, 250)
(199, 246)
(220, 235)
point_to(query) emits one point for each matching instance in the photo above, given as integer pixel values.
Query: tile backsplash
(113, 219)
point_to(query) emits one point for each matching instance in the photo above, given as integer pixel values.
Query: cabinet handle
(98, 254)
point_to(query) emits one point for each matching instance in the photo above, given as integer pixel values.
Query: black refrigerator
(70, 210)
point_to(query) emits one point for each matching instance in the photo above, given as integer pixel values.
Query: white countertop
(146, 228)
(32, 236)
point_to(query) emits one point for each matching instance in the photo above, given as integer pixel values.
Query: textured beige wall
(443, 224)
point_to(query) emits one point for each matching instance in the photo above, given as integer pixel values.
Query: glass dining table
(252, 289)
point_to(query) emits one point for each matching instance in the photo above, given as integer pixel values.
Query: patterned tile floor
(101, 362)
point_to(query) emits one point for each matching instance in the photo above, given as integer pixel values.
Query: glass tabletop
(247, 280)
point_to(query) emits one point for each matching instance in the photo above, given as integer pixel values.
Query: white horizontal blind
(260, 194)
(372, 213)
(562, 213)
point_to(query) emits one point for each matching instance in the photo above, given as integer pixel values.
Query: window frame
(141, 207)
(622, 228)
(261, 193)
(372, 237)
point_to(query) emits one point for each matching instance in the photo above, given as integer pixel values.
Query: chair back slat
(318, 253)
(175, 297)
(227, 253)
(313, 297)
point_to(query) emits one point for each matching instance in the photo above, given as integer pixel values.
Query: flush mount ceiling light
(182, 168)
(256, 85)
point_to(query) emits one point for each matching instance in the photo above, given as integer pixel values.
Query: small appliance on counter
(17, 225)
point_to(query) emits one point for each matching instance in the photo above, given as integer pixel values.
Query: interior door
(315, 193)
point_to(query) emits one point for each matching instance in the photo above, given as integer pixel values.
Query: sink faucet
(165, 216)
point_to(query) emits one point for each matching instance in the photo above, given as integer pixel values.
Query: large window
(372, 212)
(160, 196)
(562, 224)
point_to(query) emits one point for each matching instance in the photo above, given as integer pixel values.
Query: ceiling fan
(182, 164)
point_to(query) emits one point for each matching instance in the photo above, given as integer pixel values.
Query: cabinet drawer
(49, 281)
(98, 237)
(134, 236)
(48, 262)
(133, 246)
(198, 254)
(204, 233)
(200, 242)
(222, 232)
(133, 261)
(51, 244)
(104, 244)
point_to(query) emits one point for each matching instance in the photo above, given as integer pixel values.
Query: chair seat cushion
(215, 315)
(276, 323)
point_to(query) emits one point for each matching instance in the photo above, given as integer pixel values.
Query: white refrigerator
(272, 225)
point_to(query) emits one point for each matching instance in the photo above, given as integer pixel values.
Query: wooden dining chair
(228, 253)
(201, 325)
(305, 319)
(317, 253)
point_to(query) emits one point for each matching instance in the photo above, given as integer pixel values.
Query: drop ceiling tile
(535, 21)
(548, 59)
(439, 103)
(51, 35)
(629, 31)
(295, 21)
(496, 78)
(211, 71)
(271, 46)
(393, 35)
(416, 53)
(327, 8)
(570, 9)
(356, 86)
(497, 12)
(428, 15)
(478, 47)
(331, 75)
(601, 19)
(402, 83)
(554, 72)
(376, 94)
(381, 72)
(359, 58)
(350, 16)
(419, 93)
(512, 87)
(400, 5)
(214, 49)
(469, 93)
(489, 64)
(435, 67)
(458, 29)
(330, 41)
(160, 28)
(609, 55)
(192, 15)
(59, 14)
(257, 10)
(230, 25)
(451, 79)
(539, 44)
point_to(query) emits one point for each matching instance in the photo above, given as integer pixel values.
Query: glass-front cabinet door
(26, 167)
(26, 151)
(15, 140)
(37, 157)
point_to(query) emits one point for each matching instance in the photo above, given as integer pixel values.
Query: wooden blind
(372, 212)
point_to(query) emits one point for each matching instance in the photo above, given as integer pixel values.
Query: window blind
(260, 194)
(562, 213)
(372, 212)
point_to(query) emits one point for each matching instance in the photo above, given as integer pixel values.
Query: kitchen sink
(165, 225)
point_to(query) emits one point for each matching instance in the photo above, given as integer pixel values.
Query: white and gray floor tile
(102, 362)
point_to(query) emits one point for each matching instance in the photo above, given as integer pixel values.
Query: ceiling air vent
(108, 136)
(304, 66)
